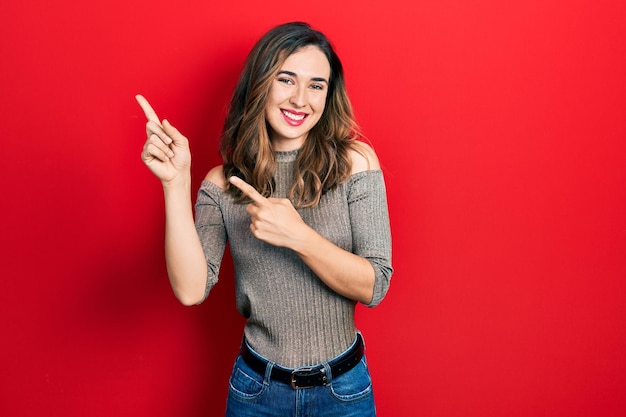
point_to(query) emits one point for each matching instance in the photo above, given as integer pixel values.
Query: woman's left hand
(272, 220)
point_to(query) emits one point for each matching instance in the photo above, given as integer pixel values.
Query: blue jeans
(254, 395)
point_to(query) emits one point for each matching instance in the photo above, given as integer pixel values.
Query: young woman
(302, 204)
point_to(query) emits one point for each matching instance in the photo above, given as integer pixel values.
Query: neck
(286, 145)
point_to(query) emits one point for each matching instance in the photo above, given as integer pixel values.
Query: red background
(501, 129)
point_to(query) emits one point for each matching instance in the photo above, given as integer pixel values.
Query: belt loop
(268, 372)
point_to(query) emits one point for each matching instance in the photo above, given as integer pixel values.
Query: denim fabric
(254, 395)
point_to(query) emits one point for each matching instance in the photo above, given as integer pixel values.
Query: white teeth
(292, 116)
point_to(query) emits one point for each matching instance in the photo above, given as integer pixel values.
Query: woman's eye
(317, 87)
(285, 81)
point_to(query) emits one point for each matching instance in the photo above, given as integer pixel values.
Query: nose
(298, 98)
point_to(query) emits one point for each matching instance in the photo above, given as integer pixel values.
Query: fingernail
(168, 140)
(170, 154)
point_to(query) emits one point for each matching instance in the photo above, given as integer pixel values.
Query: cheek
(279, 93)
(317, 115)
(319, 103)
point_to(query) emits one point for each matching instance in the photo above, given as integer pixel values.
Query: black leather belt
(306, 377)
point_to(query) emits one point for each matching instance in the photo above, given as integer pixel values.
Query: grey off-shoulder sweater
(293, 318)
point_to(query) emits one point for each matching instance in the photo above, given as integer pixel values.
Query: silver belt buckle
(303, 372)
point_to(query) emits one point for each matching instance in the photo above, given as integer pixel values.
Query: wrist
(182, 180)
(304, 240)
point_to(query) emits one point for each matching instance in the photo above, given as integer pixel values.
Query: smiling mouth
(296, 117)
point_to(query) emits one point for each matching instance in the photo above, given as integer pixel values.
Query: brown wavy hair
(323, 161)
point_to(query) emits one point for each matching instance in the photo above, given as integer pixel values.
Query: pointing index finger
(247, 189)
(147, 109)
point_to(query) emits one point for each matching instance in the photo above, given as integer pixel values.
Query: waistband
(308, 376)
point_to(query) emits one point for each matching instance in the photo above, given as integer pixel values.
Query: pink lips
(293, 122)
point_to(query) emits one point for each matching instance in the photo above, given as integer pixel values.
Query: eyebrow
(293, 74)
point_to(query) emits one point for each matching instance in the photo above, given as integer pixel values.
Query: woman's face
(297, 98)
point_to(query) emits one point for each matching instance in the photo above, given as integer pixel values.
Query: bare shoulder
(216, 176)
(363, 158)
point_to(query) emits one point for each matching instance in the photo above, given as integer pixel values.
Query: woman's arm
(344, 272)
(186, 264)
(347, 273)
(166, 153)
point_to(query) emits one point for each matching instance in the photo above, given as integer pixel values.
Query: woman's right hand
(166, 151)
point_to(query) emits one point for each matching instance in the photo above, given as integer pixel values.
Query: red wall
(501, 129)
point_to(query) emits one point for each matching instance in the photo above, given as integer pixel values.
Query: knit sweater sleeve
(371, 235)
(210, 227)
